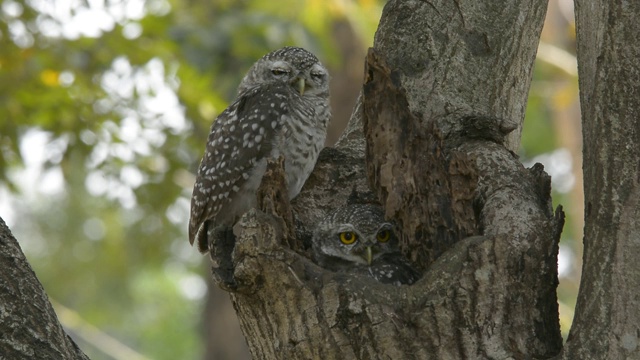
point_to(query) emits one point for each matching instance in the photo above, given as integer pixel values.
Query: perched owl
(282, 108)
(357, 239)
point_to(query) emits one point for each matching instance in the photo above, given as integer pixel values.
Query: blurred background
(105, 106)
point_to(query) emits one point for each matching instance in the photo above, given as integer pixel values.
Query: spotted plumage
(282, 108)
(356, 239)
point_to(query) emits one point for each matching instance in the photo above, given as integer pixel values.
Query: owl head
(291, 65)
(354, 234)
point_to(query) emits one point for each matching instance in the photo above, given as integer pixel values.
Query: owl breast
(301, 141)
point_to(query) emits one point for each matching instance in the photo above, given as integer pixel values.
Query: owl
(281, 108)
(357, 239)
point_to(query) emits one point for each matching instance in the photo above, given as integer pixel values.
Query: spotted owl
(357, 239)
(281, 108)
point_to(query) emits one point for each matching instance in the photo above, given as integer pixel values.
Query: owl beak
(300, 85)
(369, 255)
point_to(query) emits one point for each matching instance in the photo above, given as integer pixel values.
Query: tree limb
(30, 327)
(607, 320)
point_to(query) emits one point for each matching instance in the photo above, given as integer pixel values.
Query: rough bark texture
(487, 297)
(439, 126)
(607, 321)
(29, 327)
(463, 58)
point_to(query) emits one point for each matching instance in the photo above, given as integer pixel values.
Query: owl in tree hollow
(357, 239)
(282, 108)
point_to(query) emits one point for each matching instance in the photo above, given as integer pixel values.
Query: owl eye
(317, 75)
(279, 72)
(383, 236)
(348, 237)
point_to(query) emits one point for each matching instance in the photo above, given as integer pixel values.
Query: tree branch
(606, 324)
(30, 327)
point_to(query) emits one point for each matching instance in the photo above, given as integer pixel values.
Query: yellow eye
(348, 237)
(384, 236)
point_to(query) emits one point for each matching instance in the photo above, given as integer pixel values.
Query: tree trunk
(442, 107)
(607, 321)
(29, 328)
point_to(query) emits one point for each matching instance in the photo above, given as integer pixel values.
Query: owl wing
(394, 268)
(242, 135)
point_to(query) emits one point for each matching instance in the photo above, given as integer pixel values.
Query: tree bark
(29, 327)
(441, 108)
(607, 320)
